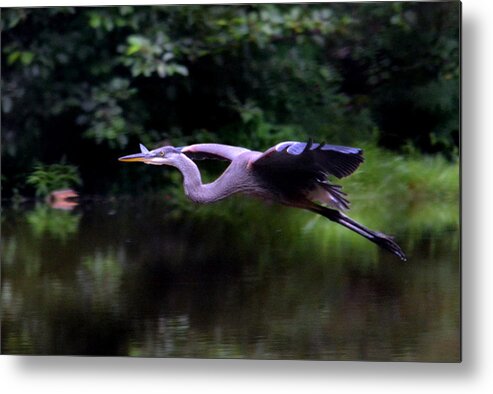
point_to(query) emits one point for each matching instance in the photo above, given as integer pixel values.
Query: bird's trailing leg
(383, 240)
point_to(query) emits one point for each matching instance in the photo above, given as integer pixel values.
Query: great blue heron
(291, 173)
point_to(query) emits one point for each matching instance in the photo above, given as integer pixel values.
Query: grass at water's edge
(395, 194)
(404, 196)
(409, 177)
(387, 186)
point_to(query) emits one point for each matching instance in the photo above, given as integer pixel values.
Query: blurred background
(83, 86)
(133, 268)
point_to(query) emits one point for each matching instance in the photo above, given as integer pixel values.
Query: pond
(238, 279)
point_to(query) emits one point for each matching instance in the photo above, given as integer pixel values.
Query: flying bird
(290, 173)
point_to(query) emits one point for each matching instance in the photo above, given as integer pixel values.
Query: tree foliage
(47, 178)
(89, 83)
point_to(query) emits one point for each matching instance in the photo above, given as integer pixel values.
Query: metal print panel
(300, 198)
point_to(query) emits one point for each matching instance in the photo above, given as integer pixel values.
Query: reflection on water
(239, 279)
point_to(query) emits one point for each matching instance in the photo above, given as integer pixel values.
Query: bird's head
(166, 155)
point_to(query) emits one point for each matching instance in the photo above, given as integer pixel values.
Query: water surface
(239, 279)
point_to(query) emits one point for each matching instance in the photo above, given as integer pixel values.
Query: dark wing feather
(313, 158)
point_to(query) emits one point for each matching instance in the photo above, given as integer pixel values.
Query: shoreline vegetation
(396, 194)
(383, 175)
(422, 190)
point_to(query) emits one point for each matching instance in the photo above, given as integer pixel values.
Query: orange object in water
(62, 199)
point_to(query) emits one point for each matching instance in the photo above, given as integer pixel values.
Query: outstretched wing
(299, 168)
(212, 151)
(339, 161)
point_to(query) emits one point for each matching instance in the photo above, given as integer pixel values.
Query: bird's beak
(136, 157)
(142, 156)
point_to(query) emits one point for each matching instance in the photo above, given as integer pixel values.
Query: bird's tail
(382, 240)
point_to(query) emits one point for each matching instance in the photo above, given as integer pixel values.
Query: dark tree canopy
(84, 85)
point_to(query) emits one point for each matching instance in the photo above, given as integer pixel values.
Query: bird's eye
(162, 154)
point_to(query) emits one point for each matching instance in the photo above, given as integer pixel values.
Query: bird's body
(291, 173)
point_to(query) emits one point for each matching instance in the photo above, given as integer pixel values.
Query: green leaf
(161, 69)
(95, 21)
(12, 58)
(132, 49)
(27, 58)
(182, 70)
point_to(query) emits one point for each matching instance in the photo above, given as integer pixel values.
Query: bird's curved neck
(198, 192)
